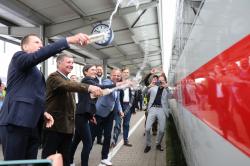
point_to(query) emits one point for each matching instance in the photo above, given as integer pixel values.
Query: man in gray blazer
(105, 107)
(157, 108)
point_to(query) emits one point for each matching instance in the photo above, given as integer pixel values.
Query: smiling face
(154, 80)
(99, 71)
(65, 65)
(162, 80)
(91, 72)
(115, 75)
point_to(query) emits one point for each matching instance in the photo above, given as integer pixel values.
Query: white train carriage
(212, 79)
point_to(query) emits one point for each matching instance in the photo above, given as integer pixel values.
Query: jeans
(107, 124)
(83, 132)
(118, 121)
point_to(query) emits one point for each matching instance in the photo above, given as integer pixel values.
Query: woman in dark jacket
(85, 114)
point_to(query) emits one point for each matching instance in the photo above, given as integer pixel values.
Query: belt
(157, 106)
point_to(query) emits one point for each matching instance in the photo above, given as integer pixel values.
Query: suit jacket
(25, 98)
(60, 101)
(164, 98)
(108, 103)
(102, 79)
(131, 97)
(86, 104)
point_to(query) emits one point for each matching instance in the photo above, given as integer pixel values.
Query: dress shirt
(100, 80)
(126, 95)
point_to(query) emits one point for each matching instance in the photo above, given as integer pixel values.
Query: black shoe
(127, 144)
(147, 149)
(99, 142)
(158, 147)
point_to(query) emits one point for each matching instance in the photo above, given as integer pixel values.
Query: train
(211, 79)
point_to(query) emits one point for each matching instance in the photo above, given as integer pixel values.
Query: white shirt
(100, 80)
(63, 75)
(126, 95)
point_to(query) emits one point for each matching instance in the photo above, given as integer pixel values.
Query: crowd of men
(67, 111)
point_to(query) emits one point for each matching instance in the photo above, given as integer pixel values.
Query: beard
(99, 74)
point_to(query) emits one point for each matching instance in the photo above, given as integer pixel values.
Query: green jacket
(60, 102)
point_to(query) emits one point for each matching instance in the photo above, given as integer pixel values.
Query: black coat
(86, 104)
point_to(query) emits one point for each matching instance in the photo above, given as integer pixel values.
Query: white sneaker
(106, 162)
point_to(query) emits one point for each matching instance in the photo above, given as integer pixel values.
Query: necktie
(115, 97)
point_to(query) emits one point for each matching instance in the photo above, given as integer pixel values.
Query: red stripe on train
(218, 93)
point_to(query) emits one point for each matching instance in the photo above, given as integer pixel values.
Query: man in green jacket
(60, 104)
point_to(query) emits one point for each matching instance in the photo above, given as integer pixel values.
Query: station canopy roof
(135, 25)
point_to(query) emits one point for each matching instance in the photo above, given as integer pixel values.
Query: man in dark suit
(99, 74)
(100, 78)
(60, 104)
(126, 100)
(23, 107)
(105, 108)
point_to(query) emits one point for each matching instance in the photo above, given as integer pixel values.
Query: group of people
(33, 106)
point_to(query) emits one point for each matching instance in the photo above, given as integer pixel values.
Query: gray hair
(61, 57)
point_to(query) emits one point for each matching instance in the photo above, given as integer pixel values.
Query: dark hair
(164, 76)
(99, 66)
(124, 68)
(25, 40)
(86, 68)
(0, 82)
(155, 76)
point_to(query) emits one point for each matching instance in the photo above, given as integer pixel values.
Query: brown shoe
(127, 144)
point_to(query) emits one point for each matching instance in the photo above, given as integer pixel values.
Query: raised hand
(153, 70)
(80, 38)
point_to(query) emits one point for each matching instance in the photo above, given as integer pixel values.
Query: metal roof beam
(9, 41)
(59, 28)
(21, 10)
(19, 31)
(74, 7)
(134, 56)
(119, 59)
(119, 49)
(6, 22)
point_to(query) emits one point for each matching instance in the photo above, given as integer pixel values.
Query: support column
(44, 65)
(104, 64)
